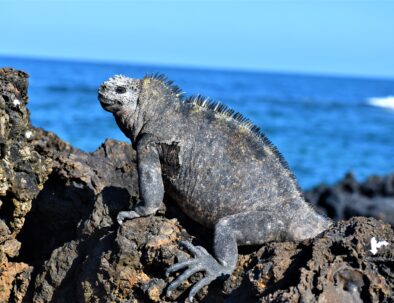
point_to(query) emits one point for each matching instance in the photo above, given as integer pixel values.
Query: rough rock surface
(23, 172)
(347, 198)
(69, 248)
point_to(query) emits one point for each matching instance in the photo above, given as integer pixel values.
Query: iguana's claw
(126, 215)
(202, 261)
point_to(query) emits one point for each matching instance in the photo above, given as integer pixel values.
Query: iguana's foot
(202, 261)
(126, 215)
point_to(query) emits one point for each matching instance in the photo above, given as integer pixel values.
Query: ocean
(323, 125)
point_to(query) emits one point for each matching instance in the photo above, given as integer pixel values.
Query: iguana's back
(224, 166)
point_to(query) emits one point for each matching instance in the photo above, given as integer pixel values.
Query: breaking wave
(386, 102)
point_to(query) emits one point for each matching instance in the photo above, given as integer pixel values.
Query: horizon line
(199, 67)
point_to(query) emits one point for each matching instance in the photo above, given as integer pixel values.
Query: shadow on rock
(54, 218)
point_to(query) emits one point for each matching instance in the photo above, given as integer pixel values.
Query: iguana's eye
(120, 90)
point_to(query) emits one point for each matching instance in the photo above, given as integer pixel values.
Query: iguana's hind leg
(246, 228)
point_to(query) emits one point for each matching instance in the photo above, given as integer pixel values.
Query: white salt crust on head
(121, 89)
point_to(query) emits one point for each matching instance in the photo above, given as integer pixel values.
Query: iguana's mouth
(102, 99)
(106, 103)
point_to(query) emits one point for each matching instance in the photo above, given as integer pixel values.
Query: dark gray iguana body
(216, 165)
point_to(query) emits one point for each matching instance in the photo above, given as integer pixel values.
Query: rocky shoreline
(59, 240)
(348, 198)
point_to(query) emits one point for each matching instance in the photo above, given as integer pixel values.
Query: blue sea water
(324, 126)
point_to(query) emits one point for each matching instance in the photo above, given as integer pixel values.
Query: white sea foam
(386, 102)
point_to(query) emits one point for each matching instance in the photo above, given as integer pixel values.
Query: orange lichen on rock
(10, 272)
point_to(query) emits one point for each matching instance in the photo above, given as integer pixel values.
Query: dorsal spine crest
(207, 104)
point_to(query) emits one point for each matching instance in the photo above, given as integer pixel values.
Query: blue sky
(325, 37)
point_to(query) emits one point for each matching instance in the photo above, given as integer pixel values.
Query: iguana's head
(138, 104)
(119, 92)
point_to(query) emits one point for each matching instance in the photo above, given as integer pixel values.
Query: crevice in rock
(53, 219)
(365, 292)
(87, 252)
(245, 292)
(315, 285)
(3, 150)
(7, 207)
(337, 249)
(6, 98)
(291, 277)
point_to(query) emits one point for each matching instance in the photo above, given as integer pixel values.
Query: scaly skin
(216, 165)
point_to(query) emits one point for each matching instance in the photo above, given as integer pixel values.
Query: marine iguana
(215, 164)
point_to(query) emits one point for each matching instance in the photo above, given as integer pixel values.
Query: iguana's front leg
(150, 180)
(248, 228)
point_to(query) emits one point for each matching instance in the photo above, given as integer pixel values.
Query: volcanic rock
(60, 241)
